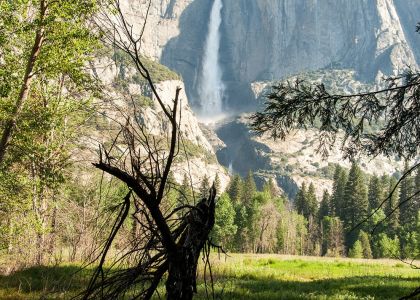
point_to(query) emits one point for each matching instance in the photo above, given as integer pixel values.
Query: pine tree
(332, 236)
(204, 187)
(416, 199)
(311, 202)
(300, 200)
(375, 192)
(355, 203)
(340, 181)
(271, 188)
(185, 195)
(408, 212)
(235, 190)
(364, 240)
(249, 189)
(390, 205)
(325, 206)
(217, 184)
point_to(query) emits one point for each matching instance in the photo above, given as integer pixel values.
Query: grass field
(248, 277)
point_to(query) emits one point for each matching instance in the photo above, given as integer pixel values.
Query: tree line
(349, 221)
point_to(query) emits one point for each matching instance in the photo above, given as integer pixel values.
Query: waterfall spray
(211, 86)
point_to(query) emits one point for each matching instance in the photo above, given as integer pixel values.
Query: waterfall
(230, 169)
(211, 86)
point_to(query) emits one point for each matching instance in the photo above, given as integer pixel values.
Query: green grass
(248, 277)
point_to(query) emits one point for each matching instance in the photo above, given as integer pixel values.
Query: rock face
(271, 39)
(196, 157)
(290, 162)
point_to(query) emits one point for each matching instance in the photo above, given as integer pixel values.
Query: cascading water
(211, 86)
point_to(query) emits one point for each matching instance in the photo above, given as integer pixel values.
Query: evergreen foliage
(340, 181)
(355, 203)
(325, 206)
(364, 240)
(356, 251)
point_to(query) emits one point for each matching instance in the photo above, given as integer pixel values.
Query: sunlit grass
(243, 276)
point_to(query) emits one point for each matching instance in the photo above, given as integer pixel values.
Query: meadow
(246, 276)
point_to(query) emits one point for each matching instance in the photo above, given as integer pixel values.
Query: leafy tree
(389, 248)
(410, 243)
(50, 42)
(224, 228)
(271, 188)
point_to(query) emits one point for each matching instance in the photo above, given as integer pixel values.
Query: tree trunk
(181, 282)
(182, 271)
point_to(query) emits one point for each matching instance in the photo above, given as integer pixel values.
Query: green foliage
(249, 188)
(355, 203)
(224, 228)
(375, 195)
(325, 206)
(364, 240)
(410, 244)
(408, 208)
(391, 208)
(388, 247)
(185, 193)
(332, 237)
(235, 190)
(306, 201)
(340, 181)
(356, 251)
(158, 72)
(204, 187)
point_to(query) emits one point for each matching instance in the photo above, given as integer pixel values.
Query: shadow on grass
(63, 282)
(357, 287)
(44, 282)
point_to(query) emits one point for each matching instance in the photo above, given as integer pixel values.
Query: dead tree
(172, 238)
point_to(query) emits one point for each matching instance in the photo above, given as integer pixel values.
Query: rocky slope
(123, 88)
(295, 160)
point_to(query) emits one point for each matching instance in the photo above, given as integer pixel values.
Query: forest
(336, 225)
